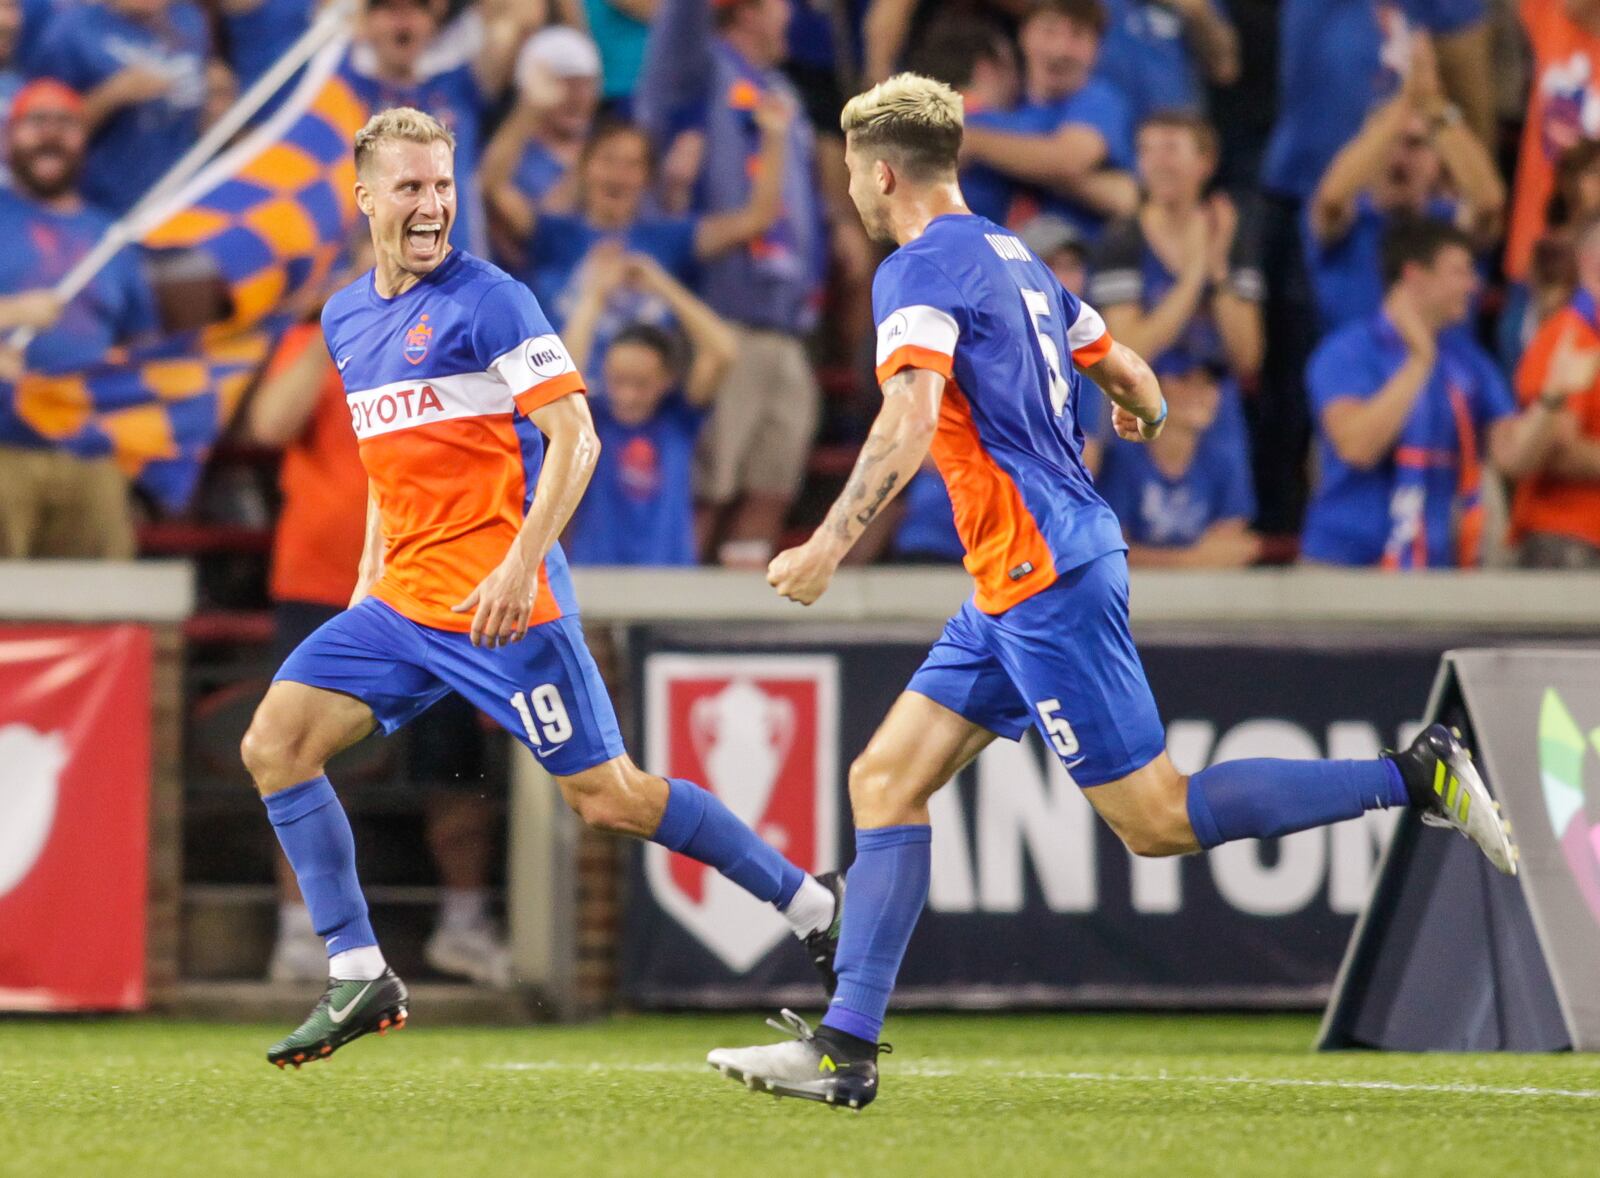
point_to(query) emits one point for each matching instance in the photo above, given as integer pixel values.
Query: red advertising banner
(74, 816)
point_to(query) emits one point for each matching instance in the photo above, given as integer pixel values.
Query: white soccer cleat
(1459, 800)
(804, 1067)
(476, 952)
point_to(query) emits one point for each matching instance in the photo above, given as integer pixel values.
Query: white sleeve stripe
(1086, 328)
(919, 327)
(533, 362)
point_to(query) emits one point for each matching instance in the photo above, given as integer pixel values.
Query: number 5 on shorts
(547, 715)
(1061, 734)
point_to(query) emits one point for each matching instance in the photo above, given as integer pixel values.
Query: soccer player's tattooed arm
(899, 441)
(371, 567)
(504, 599)
(1134, 391)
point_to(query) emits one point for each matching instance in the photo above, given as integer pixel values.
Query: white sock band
(811, 908)
(357, 965)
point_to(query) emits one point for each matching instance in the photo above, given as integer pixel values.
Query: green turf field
(968, 1095)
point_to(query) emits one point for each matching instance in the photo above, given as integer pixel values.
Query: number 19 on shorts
(543, 715)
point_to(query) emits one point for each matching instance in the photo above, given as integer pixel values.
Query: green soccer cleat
(347, 1010)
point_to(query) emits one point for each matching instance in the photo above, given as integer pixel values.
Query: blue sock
(697, 824)
(1265, 798)
(888, 887)
(315, 834)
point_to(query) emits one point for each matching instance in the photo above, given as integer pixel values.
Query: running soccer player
(974, 333)
(478, 444)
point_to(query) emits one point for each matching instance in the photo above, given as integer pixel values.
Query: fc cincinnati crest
(417, 340)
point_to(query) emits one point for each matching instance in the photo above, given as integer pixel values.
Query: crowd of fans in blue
(1377, 351)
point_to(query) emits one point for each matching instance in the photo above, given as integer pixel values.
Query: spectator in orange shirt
(1555, 513)
(1563, 108)
(301, 407)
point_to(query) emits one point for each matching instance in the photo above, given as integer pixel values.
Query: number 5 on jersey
(1060, 732)
(543, 715)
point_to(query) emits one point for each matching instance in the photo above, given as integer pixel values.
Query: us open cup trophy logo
(760, 732)
(1573, 808)
(29, 790)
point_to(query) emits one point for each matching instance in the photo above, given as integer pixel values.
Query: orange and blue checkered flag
(273, 214)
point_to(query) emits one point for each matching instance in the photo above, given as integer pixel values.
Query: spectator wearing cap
(140, 66)
(613, 181)
(711, 67)
(1414, 157)
(387, 67)
(648, 404)
(64, 495)
(1180, 277)
(1184, 500)
(558, 91)
(1555, 509)
(1408, 414)
(1161, 54)
(1069, 142)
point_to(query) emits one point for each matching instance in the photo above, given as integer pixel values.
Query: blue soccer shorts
(545, 690)
(1063, 661)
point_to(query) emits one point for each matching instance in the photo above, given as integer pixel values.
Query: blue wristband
(1162, 416)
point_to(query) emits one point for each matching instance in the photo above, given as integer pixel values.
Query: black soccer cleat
(347, 1010)
(1443, 783)
(823, 945)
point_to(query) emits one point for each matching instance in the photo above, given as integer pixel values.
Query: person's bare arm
(884, 30)
(1057, 161)
(1109, 192)
(722, 231)
(1137, 406)
(127, 87)
(901, 436)
(1226, 544)
(34, 309)
(1577, 459)
(1212, 35)
(1540, 436)
(506, 24)
(599, 274)
(1363, 432)
(1333, 204)
(285, 400)
(1466, 68)
(502, 602)
(498, 167)
(712, 343)
(370, 570)
(1476, 179)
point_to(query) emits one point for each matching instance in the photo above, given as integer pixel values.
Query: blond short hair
(404, 123)
(916, 119)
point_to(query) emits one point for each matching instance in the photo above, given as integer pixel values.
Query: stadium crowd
(1379, 345)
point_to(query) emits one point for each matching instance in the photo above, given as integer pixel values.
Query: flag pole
(333, 20)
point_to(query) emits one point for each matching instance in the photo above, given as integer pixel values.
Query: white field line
(934, 1071)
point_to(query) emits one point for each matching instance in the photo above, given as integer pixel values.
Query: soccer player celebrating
(974, 332)
(478, 444)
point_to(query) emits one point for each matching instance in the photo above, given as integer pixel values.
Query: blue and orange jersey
(440, 381)
(969, 301)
